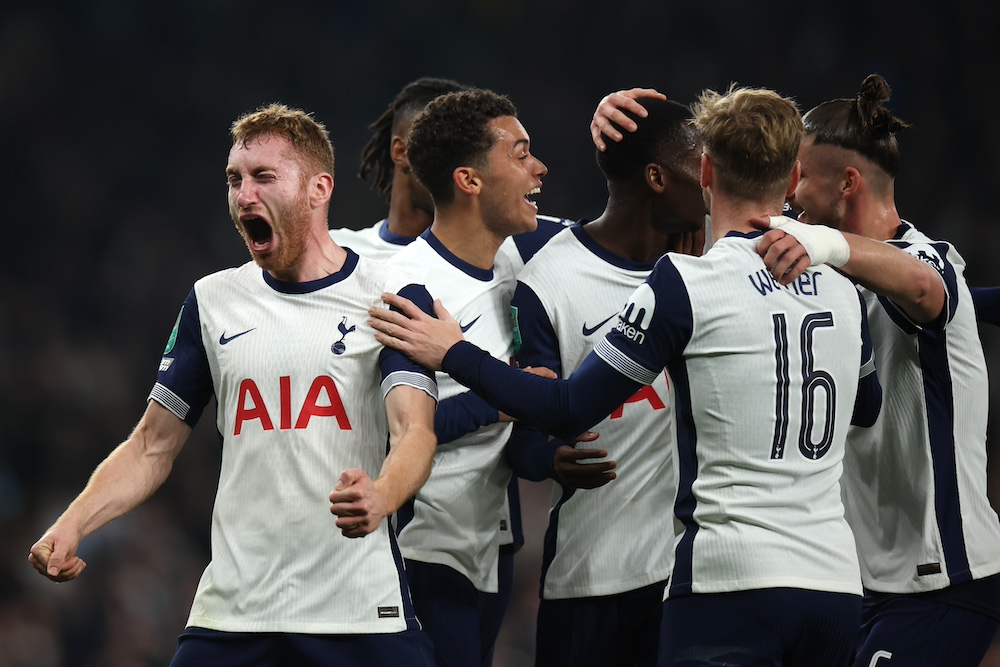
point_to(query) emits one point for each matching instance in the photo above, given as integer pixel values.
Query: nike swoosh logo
(466, 327)
(589, 330)
(223, 340)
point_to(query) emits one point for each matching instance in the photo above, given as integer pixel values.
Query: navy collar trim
(313, 285)
(392, 237)
(904, 227)
(473, 271)
(603, 253)
(745, 235)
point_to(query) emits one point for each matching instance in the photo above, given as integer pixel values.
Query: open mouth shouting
(258, 233)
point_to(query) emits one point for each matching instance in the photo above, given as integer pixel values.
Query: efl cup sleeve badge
(172, 340)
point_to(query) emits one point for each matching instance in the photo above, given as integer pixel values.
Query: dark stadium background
(114, 125)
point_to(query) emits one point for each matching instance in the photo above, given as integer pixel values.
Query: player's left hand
(783, 255)
(413, 332)
(356, 502)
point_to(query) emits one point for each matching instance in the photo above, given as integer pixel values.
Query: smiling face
(268, 200)
(512, 176)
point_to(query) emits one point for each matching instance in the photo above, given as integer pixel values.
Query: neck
(466, 236)
(733, 215)
(875, 218)
(404, 217)
(320, 258)
(627, 230)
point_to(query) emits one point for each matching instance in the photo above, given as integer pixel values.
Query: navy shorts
(212, 648)
(906, 630)
(496, 605)
(453, 613)
(771, 627)
(621, 630)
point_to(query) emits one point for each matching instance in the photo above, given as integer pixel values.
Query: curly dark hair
(451, 132)
(408, 102)
(862, 124)
(664, 137)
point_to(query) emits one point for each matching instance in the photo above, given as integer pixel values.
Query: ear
(851, 182)
(397, 150)
(794, 183)
(320, 189)
(706, 170)
(656, 177)
(467, 180)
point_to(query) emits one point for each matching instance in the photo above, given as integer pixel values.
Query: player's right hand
(572, 472)
(609, 113)
(54, 556)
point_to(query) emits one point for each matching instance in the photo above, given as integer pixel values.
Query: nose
(246, 195)
(541, 169)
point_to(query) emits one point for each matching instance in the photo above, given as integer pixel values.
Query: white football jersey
(375, 242)
(915, 483)
(618, 537)
(765, 379)
(294, 368)
(456, 515)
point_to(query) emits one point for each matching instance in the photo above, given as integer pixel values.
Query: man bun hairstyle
(863, 124)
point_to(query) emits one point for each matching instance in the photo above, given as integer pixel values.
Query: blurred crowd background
(114, 125)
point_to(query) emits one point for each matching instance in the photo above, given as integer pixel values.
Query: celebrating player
(283, 345)
(915, 483)
(609, 549)
(766, 378)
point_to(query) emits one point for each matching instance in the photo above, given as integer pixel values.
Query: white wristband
(824, 245)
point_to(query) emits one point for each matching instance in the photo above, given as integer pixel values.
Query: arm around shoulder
(914, 286)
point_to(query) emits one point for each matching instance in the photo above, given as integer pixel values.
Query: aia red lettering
(322, 400)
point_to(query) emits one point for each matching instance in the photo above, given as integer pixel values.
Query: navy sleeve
(987, 302)
(868, 402)
(392, 362)
(184, 381)
(461, 414)
(529, 450)
(563, 407)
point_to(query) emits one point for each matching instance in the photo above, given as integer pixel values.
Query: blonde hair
(752, 136)
(307, 135)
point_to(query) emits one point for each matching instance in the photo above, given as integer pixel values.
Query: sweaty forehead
(509, 131)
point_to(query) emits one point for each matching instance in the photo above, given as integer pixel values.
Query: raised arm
(129, 475)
